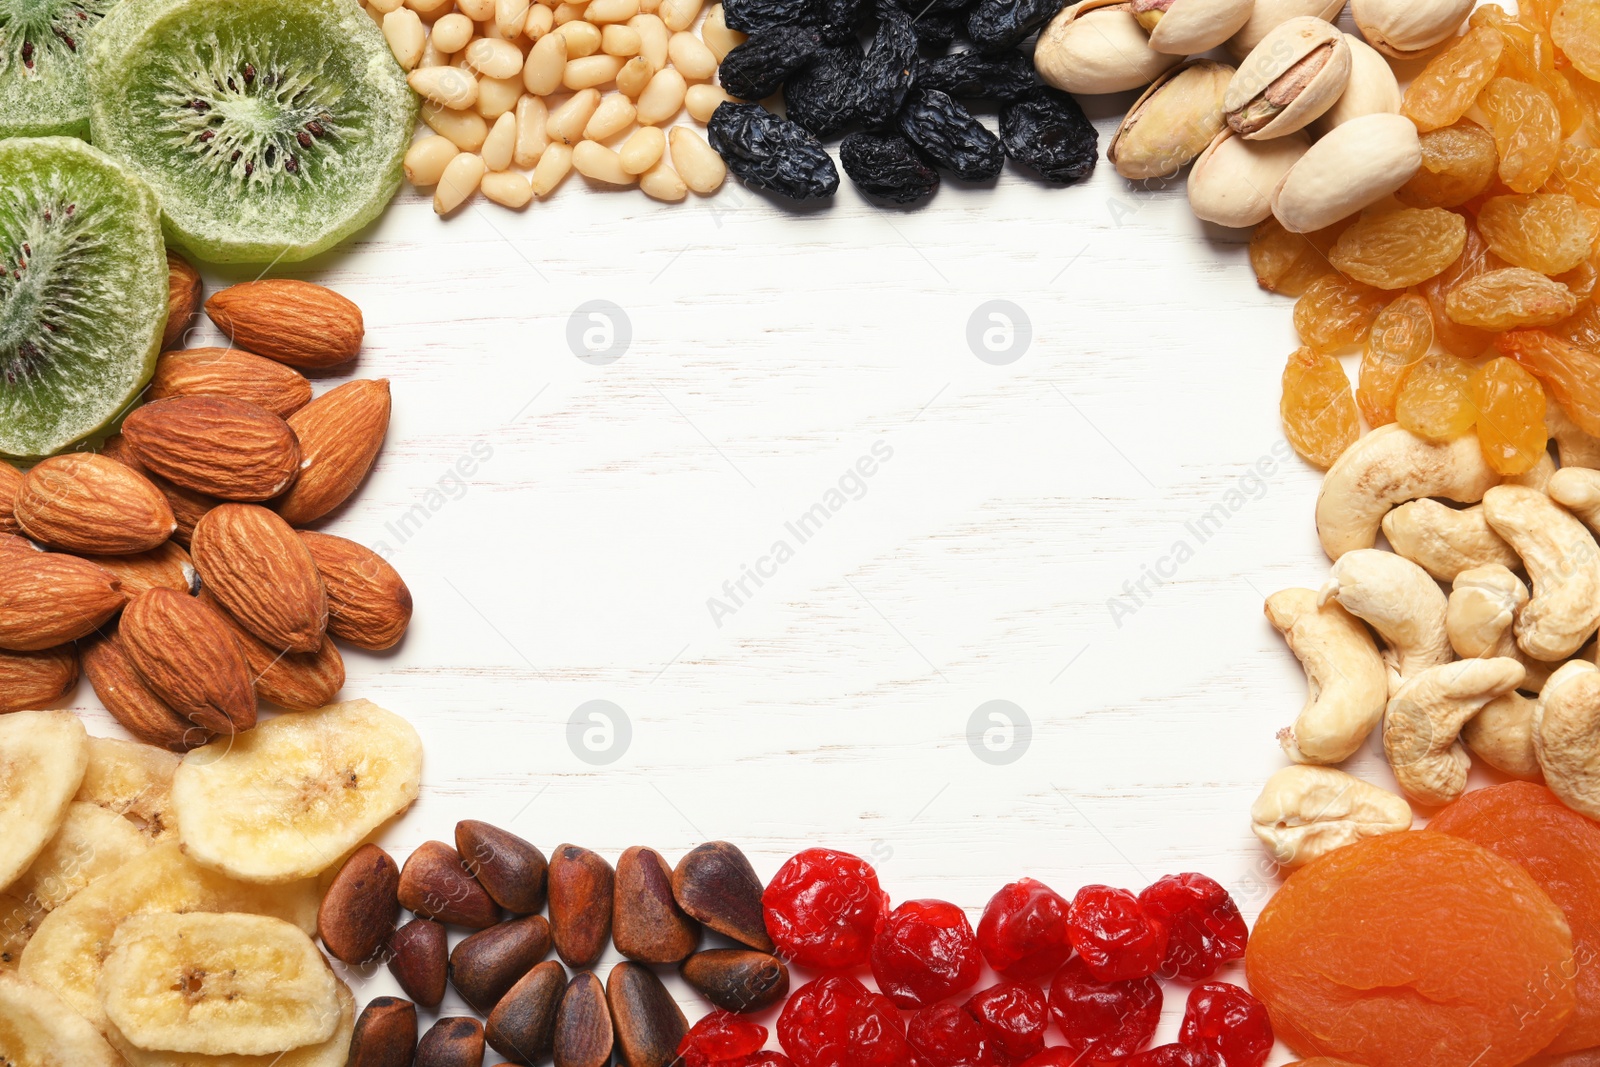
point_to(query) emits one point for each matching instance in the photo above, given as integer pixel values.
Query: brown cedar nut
(522, 1026)
(715, 883)
(361, 905)
(385, 1034)
(646, 923)
(485, 965)
(435, 884)
(417, 958)
(510, 869)
(737, 979)
(649, 1024)
(583, 1033)
(451, 1042)
(581, 885)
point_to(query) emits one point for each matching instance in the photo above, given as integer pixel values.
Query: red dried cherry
(1104, 1020)
(1023, 932)
(1114, 935)
(1227, 1020)
(946, 1036)
(925, 951)
(824, 908)
(1055, 1056)
(1012, 1017)
(764, 1058)
(1204, 927)
(1173, 1056)
(722, 1035)
(837, 1022)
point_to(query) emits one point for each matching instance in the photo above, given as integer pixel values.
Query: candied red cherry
(1055, 1056)
(1173, 1056)
(1204, 927)
(722, 1035)
(1114, 935)
(763, 1058)
(1013, 1018)
(925, 951)
(946, 1036)
(1023, 932)
(837, 1022)
(824, 908)
(1228, 1021)
(1103, 1020)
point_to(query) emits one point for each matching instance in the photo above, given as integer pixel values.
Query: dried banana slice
(43, 755)
(38, 1029)
(91, 843)
(134, 781)
(333, 1052)
(293, 796)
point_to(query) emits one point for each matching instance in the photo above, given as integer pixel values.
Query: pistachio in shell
(1409, 29)
(1172, 122)
(1293, 76)
(1098, 46)
(1373, 89)
(1353, 167)
(1268, 15)
(1231, 183)
(1189, 27)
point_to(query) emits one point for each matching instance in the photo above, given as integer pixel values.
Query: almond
(184, 291)
(186, 655)
(131, 702)
(167, 567)
(188, 507)
(295, 681)
(293, 322)
(368, 603)
(81, 502)
(263, 574)
(10, 482)
(340, 433)
(48, 599)
(32, 680)
(215, 445)
(229, 372)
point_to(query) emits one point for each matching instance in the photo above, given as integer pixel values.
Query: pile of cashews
(1500, 668)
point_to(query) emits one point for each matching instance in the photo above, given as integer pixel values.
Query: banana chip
(38, 1029)
(134, 781)
(43, 755)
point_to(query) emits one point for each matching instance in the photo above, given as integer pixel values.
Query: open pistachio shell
(1293, 76)
(1231, 183)
(1268, 15)
(1354, 166)
(1189, 27)
(1409, 29)
(1373, 89)
(1172, 122)
(1098, 46)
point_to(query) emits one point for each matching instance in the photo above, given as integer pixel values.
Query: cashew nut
(1577, 449)
(1396, 598)
(1389, 466)
(1535, 477)
(1566, 736)
(1562, 559)
(1484, 602)
(1445, 541)
(1578, 490)
(1424, 720)
(1502, 736)
(1345, 677)
(1306, 812)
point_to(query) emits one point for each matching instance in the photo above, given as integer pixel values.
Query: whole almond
(82, 502)
(340, 433)
(418, 954)
(183, 298)
(737, 979)
(10, 482)
(715, 883)
(167, 567)
(435, 884)
(226, 448)
(131, 702)
(293, 322)
(522, 1026)
(485, 965)
(50, 598)
(34, 680)
(263, 382)
(581, 885)
(295, 681)
(385, 1034)
(361, 905)
(186, 655)
(583, 1034)
(188, 507)
(511, 870)
(368, 603)
(646, 923)
(263, 574)
(649, 1024)
(451, 1042)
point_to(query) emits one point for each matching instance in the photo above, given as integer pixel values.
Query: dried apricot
(1335, 312)
(1546, 232)
(1452, 80)
(1468, 342)
(1399, 249)
(1504, 299)
(1413, 950)
(1401, 335)
(1529, 825)
(1458, 163)
(1434, 401)
(1527, 132)
(1569, 374)
(1285, 262)
(1319, 413)
(1576, 29)
(1510, 403)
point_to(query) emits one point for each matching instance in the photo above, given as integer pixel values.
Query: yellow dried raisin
(1465, 341)
(1319, 414)
(1510, 403)
(1571, 375)
(1458, 163)
(1399, 249)
(1504, 299)
(1336, 312)
(1434, 400)
(1582, 329)
(1536, 13)
(1453, 79)
(1576, 29)
(1529, 56)
(1527, 132)
(1401, 335)
(1546, 232)
(1286, 262)
(1588, 94)
(1581, 280)
(1577, 174)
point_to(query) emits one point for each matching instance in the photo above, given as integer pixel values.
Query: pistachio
(1098, 46)
(1373, 89)
(1268, 15)
(1172, 122)
(1409, 29)
(1231, 183)
(1189, 27)
(1355, 165)
(1296, 73)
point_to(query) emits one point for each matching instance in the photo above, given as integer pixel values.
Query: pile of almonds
(188, 526)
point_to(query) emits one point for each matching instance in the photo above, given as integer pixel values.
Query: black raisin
(771, 153)
(1048, 132)
(757, 68)
(752, 16)
(997, 25)
(974, 76)
(887, 165)
(842, 20)
(822, 98)
(888, 70)
(947, 133)
(937, 29)
(921, 8)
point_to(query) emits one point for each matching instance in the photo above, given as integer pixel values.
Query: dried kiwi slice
(43, 88)
(83, 292)
(269, 129)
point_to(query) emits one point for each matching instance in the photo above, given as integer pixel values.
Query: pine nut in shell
(714, 31)
(501, 142)
(497, 96)
(620, 41)
(691, 57)
(661, 182)
(547, 61)
(507, 188)
(654, 38)
(703, 101)
(465, 129)
(426, 159)
(452, 32)
(596, 161)
(458, 182)
(494, 59)
(643, 149)
(583, 38)
(615, 114)
(591, 72)
(696, 162)
(554, 166)
(532, 140)
(407, 39)
(449, 87)
(634, 77)
(662, 98)
(567, 121)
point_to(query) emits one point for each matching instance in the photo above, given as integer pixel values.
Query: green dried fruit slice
(44, 90)
(83, 292)
(270, 129)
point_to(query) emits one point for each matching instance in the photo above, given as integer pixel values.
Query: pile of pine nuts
(519, 94)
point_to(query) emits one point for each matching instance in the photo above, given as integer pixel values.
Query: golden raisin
(1510, 403)
(1546, 232)
(1576, 29)
(1468, 342)
(1527, 132)
(1536, 13)
(1588, 94)
(1570, 374)
(1401, 335)
(1286, 262)
(1452, 80)
(1582, 329)
(1335, 312)
(1529, 56)
(1577, 174)
(1319, 414)
(1458, 163)
(1504, 299)
(1581, 280)
(1434, 401)
(1399, 249)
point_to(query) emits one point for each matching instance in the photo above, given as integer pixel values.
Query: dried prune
(822, 98)
(997, 25)
(752, 16)
(887, 72)
(970, 75)
(887, 165)
(948, 134)
(757, 68)
(772, 153)
(1047, 132)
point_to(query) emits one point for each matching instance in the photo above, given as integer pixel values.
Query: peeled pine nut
(426, 7)
(583, 38)
(532, 140)
(660, 183)
(466, 129)
(619, 41)
(500, 143)
(508, 189)
(407, 39)
(596, 161)
(427, 158)
(494, 59)
(702, 101)
(477, 10)
(448, 87)
(383, 7)
(614, 115)
(649, 7)
(554, 165)
(541, 20)
(567, 121)
(452, 32)
(432, 57)
(692, 58)
(698, 163)
(662, 98)
(547, 61)
(653, 38)
(642, 150)
(510, 16)
(680, 14)
(590, 71)
(568, 13)
(458, 182)
(496, 96)
(714, 30)
(635, 75)
(611, 10)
